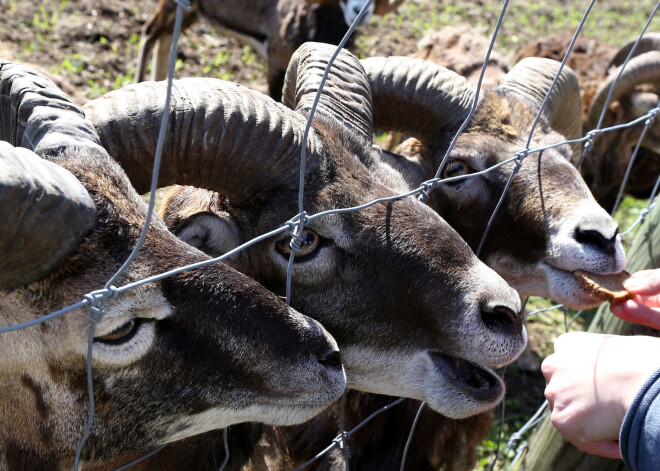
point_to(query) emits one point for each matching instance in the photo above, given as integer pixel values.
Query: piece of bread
(606, 287)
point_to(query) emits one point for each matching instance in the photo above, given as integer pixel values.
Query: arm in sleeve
(639, 438)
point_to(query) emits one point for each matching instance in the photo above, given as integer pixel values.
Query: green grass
(524, 21)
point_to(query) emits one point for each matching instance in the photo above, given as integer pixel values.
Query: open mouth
(470, 378)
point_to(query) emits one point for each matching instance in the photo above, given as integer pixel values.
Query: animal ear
(509, 131)
(209, 232)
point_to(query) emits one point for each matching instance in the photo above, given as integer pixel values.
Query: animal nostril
(331, 358)
(356, 10)
(502, 319)
(596, 239)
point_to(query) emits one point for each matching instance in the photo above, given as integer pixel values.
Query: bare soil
(92, 44)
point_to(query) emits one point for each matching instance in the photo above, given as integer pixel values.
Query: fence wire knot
(95, 301)
(652, 114)
(185, 4)
(342, 441)
(590, 135)
(426, 192)
(295, 226)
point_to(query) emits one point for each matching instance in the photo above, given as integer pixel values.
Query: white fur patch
(412, 375)
(145, 303)
(351, 9)
(219, 418)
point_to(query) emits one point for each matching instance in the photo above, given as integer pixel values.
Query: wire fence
(516, 443)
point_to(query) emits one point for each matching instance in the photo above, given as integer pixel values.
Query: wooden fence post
(548, 451)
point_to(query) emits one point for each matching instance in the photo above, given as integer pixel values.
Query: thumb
(645, 283)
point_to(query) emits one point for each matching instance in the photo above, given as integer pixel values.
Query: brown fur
(283, 24)
(540, 198)
(463, 49)
(184, 371)
(438, 442)
(404, 238)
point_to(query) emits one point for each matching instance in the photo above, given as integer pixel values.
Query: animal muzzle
(588, 240)
(492, 333)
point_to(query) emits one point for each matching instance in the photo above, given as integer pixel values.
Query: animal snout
(330, 359)
(502, 319)
(597, 238)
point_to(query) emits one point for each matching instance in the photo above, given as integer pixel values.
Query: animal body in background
(274, 28)
(461, 49)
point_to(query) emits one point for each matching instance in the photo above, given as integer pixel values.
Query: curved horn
(221, 136)
(417, 97)
(649, 42)
(641, 69)
(531, 79)
(46, 210)
(45, 119)
(346, 95)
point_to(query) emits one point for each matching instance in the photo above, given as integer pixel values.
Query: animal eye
(310, 242)
(122, 333)
(455, 168)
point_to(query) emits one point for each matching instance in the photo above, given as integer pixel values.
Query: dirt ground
(92, 44)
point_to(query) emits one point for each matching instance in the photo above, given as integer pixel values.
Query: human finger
(633, 310)
(645, 282)
(548, 366)
(571, 340)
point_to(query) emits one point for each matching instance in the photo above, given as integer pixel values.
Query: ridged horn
(641, 69)
(417, 97)
(531, 79)
(221, 136)
(45, 209)
(45, 119)
(346, 95)
(649, 42)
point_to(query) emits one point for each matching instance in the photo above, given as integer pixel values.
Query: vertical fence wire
(619, 196)
(410, 435)
(423, 197)
(296, 235)
(518, 164)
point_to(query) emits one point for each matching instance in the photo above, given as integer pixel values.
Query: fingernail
(633, 283)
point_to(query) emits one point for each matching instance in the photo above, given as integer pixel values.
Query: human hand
(591, 381)
(644, 306)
